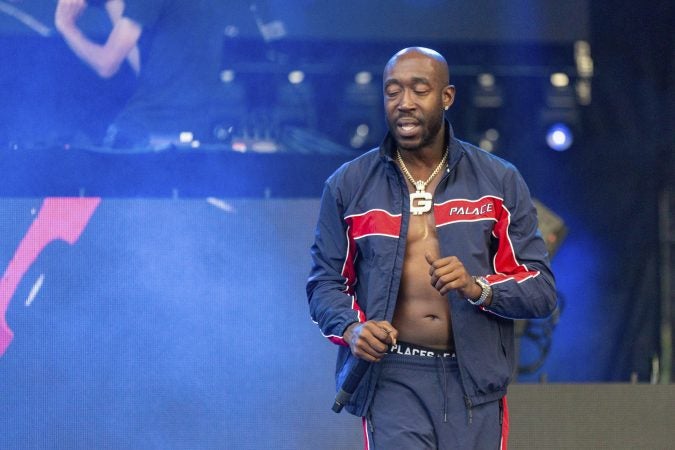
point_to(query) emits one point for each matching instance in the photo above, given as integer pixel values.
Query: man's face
(415, 95)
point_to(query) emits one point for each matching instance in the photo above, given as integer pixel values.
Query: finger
(390, 336)
(447, 261)
(443, 264)
(378, 349)
(393, 336)
(390, 332)
(382, 336)
(457, 278)
(357, 342)
(364, 355)
(441, 275)
(384, 331)
(438, 269)
(362, 348)
(370, 339)
(445, 283)
(366, 351)
(430, 259)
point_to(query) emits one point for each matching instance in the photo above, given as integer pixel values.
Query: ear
(448, 96)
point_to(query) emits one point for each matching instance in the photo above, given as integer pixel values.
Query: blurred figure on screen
(174, 46)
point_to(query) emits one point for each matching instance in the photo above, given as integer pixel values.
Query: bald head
(439, 64)
(416, 95)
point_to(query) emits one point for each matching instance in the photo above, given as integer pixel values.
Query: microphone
(350, 384)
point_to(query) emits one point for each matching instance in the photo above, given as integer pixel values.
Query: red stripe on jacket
(374, 222)
(370, 223)
(505, 263)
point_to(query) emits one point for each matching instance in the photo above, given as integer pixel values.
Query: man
(174, 46)
(426, 250)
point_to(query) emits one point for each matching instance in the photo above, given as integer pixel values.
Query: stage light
(560, 117)
(484, 119)
(584, 64)
(227, 76)
(486, 92)
(360, 115)
(583, 90)
(296, 77)
(489, 140)
(363, 78)
(185, 137)
(486, 80)
(559, 80)
(360, 135)
(559, 137)
(230, 111)
(295, 104)
(583, 59)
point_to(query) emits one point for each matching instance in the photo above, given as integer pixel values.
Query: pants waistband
(407, 349)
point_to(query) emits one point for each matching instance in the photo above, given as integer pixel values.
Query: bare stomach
(422, 315)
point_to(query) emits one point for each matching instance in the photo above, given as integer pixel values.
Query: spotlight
(360, 136)
(486, 92)
(230, 109)
(227, 76)
(296, 77)
(295, 103)
(489, 140)
(584, 64)
(560, 117)
(559, 137)
(360, 113)
(363, 77)
(185, 137)
(559, 80)
(484, 119)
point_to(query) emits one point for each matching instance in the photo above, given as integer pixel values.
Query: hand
(370, 340)
(67, 13)
(449, 274)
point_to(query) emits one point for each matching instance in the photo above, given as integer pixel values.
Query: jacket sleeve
(330, 287)
(523, 285)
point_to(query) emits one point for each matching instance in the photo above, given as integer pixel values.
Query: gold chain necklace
(420, 201)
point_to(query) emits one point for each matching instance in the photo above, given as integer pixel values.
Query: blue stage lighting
(559, 137)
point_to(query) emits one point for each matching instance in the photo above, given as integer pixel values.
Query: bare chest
(422, 226)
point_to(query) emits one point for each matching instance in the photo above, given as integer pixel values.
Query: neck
(422, 157)
(412, 173)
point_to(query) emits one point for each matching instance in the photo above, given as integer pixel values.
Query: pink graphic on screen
(59, 218)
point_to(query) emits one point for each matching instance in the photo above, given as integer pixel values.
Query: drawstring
(467, 402)
(445, 390)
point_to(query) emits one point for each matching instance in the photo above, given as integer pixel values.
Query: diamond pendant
(420, 202)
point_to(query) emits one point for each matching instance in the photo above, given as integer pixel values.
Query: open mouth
(407, 128)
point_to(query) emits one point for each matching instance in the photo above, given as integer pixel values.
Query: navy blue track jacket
(484, 216)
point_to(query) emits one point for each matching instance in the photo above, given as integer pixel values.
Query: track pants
(419, 404)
